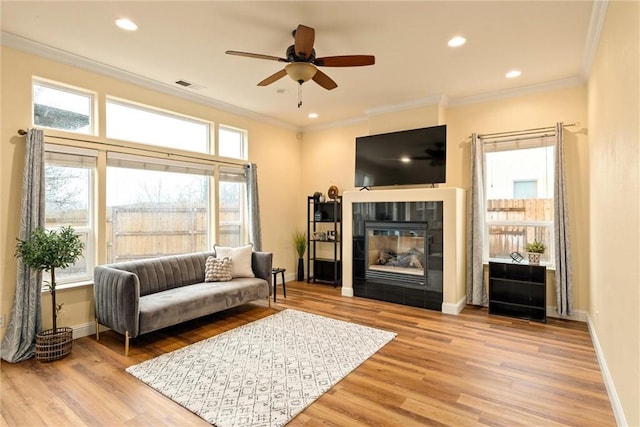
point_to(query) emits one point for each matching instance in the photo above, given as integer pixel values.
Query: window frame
(488, 223)
(93, 102)
(90, 230)
(163, 113)
(243, 144)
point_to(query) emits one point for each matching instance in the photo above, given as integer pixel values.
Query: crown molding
(29, 46)
(596, 22)
(440, 99)
(337, 124)
(518, 91)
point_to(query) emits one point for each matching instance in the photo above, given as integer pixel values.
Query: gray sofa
(136, 297)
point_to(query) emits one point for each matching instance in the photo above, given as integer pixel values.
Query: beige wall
(534, 111)
(275, 150)
(531, 111)
(614, 141)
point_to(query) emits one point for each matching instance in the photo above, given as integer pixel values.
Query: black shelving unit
(324, 241)
(518, 290)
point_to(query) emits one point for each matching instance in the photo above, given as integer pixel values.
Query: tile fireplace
(397, 253)
(419, 260)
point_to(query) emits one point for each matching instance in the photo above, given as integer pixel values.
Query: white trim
(517, 91)
(577, 315)
(596, 21)
(347, 292)
(440, 99)
(616, 405)
(333, 125)
(455, 309)
(58, 55)
(86, 329)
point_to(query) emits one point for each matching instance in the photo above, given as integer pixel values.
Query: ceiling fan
(302, 62)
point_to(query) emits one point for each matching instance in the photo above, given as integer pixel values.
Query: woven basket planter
(53, 345)
(534, 258)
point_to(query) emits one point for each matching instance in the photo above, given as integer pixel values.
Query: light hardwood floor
(470, 369)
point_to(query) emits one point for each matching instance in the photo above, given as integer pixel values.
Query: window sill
(72, 285)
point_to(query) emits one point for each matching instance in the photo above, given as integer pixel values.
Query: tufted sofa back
(160, 274)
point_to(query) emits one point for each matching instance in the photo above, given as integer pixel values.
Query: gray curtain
(564, 286)
(26, 315)
(255, 233)
(476, 291)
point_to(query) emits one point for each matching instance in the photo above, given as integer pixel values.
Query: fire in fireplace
(396, 251)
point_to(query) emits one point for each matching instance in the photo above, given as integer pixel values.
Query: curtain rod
(23, 132)
(516, 133)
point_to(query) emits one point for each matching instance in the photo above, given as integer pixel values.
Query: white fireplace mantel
(454, 218)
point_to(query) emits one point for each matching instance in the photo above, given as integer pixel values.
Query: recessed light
(405, 159)
(457, 41)
(513, 74)
(126, 24)
(313, 115)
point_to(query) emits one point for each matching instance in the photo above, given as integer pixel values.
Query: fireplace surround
(450, 255)
(397, 254)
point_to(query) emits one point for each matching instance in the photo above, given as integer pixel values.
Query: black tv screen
(410, 157)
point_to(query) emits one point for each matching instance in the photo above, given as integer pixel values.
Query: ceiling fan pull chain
(300, 95)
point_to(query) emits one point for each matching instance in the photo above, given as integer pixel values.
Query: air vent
(190, 85)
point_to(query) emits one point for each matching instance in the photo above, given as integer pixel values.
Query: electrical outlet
(2, 320)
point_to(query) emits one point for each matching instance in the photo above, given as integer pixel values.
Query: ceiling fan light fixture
(301, 71)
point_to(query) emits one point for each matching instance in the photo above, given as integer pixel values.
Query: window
(231, 143)
(519, 198)
(70, 201)
(129, 122)
(156, 207)
(525, 189)
(232, 209)
(64, 108)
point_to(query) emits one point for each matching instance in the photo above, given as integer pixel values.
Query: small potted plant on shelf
(300, 244)
(535, 249)
(45, 251)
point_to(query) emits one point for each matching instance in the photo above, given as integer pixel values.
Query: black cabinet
(324, 241)
(518, 290)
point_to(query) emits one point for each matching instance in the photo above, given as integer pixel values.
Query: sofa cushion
(240, 257)
(178, 305)
(217, 269)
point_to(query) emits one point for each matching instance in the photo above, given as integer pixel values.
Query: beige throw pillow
(241, 257)
(218, 269)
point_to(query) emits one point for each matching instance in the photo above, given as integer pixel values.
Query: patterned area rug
(263, 373)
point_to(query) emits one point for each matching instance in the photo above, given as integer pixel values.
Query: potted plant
(300, 244)
(45, 251)
(535, 249)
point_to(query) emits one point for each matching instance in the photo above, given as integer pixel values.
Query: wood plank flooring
(466, 370)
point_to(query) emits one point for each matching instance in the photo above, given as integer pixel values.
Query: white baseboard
(577, 315)
(455, 309)
(616, 405)
(347, 292)
(86, 329)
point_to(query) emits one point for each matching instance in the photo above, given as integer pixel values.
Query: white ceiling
(549, 41)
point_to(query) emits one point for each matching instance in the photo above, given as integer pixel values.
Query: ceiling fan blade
(325, 81)
(272, 78)
(345, 61)
(304, 38)
(255, 55)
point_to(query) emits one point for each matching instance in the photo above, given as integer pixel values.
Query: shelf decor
(324, 228)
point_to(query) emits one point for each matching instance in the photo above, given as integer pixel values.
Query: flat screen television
(410, 157)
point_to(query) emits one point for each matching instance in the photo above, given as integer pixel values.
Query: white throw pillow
(218, 269)
(241, 257)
